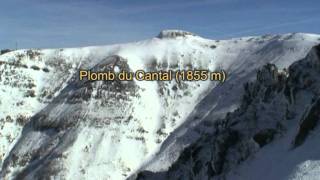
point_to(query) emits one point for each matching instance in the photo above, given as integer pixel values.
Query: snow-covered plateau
(261, 123)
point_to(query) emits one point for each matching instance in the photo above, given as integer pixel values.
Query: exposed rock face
(174, 34)
(272, 105)
(3, 51)
(308, 123)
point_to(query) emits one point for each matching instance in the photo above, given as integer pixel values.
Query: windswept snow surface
(278, 161)
(94, 130)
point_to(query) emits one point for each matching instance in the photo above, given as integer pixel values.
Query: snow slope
(272, 135)
(293, 156)
(54, 125)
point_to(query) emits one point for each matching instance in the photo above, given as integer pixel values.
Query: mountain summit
(174, 34)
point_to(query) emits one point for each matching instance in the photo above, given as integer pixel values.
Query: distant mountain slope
(52, 124)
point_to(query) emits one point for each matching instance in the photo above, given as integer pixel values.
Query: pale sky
(74, 23)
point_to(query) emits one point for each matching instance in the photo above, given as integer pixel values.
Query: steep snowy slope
(295, 155)
(88, 130)
(272, 135)
(241, 62)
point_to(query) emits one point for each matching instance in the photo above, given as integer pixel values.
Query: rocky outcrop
(174, 33)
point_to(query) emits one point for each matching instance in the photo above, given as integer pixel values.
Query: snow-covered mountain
(53, 125)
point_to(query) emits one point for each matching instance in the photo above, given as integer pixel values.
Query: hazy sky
(72, 23)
